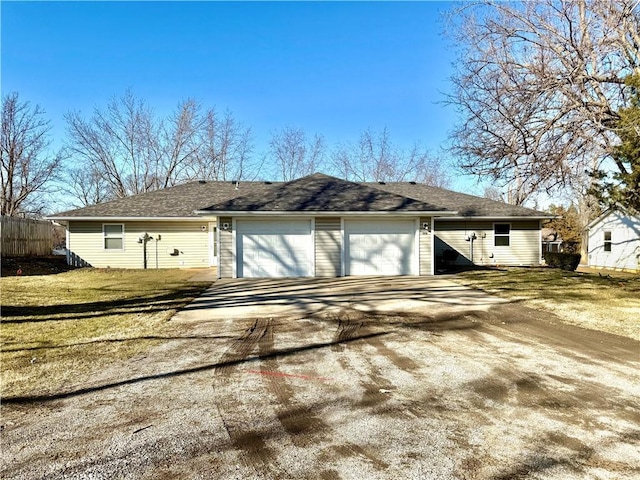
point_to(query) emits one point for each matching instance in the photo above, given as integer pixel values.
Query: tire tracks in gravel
(346, 331)
(300, 421)
(376, 386)
(258, 456)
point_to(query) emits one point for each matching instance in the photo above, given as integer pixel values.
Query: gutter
(501, 217)
(128, 219)
(221, 213)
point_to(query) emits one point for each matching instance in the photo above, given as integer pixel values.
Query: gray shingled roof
(314, 193)
(179, 201)
(322, 193)
(465, 205)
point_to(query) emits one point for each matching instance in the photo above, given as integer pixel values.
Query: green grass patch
(605, 302)
(58, 329)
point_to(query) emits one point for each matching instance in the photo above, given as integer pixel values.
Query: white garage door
(380, 247)
(274, 248)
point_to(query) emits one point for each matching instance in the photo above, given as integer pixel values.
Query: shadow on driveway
(243, 298)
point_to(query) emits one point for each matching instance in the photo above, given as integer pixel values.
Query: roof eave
(499, 217)
(244, 213)
(121, 218)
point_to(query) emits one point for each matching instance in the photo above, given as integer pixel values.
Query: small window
(501, 232)
(113, 235)
(607, 241)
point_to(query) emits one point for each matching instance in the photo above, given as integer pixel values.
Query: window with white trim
(501, 234)
(607, 241)
(113, 236)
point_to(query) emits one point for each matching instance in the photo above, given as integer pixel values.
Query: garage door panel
(274, 249)
(380, 247)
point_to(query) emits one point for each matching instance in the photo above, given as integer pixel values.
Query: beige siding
(524, 241)
(425, 246)
(328, 246)
(226, 248)
(181, 244)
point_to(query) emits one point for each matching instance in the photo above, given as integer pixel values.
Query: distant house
(614, 241)
(313, 226)
(551, 240)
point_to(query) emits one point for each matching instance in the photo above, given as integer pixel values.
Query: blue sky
(330, 68)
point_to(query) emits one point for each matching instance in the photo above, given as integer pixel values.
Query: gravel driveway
(482, 390)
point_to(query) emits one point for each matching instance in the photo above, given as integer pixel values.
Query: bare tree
(27, 168)
(130, 150)
(375, 158)
(86, 186)
(125, 149)
(539, 85)
(372, 158)
(294, 155)
(493, 193)
(117, 143)
(178, 143)
(225, 148)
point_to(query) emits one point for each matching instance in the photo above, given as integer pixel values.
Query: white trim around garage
(343, 258)
(387, 247)
(274, 248)
(234, 248)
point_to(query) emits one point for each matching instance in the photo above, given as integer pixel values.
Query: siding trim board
(343, 260)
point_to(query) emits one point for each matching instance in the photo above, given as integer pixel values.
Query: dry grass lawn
(609, 302)
(63, 327)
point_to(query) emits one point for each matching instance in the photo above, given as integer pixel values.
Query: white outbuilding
(614, 241)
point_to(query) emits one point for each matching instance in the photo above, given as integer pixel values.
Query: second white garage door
(275, 248)
(384, 247)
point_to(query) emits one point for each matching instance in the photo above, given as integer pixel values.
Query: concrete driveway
(245, 298)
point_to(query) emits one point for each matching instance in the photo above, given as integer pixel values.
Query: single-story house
(313, 226)
(551, 241)
(614, 241)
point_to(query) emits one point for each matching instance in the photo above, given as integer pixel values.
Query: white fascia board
(426, 213)
(126, 219)
(467, 218)
(599, 219)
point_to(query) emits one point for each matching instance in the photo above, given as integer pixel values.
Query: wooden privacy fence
(23, 237)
